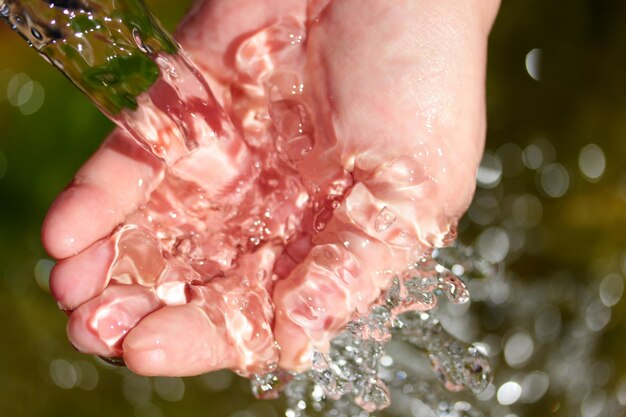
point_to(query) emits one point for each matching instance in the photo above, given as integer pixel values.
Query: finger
(213, 30)
(107, 188)
(226, 324)
(409, 128)
(120, 175)
(342, 276)
(99, 326)
(422, 96)
(131, 255)
(80, 278)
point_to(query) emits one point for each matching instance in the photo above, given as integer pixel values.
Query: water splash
(118, 54)
(356, 376)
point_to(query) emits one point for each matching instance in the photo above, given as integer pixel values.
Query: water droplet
(373, 397)
(268, 386)
(384, 219)
(293, 124)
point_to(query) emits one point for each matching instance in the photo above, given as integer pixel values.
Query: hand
(367, 160)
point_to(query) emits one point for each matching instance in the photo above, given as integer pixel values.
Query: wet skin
(295, 231)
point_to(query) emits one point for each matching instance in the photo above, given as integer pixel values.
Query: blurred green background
(555, 160)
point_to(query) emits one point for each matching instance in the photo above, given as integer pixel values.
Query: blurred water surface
(550, 208)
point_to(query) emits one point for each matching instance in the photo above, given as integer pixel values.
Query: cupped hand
(360, 126)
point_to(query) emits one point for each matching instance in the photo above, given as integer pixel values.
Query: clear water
(356, 376)
(231, 193)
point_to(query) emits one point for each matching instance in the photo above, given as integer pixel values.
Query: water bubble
(384, 219)
(267, 386)
(509, 393)
(490, 170)
(533, 64)
(374, 396)
(611, 289)
(293, 124)
(63, 374)
(592, 162)
(554, 180)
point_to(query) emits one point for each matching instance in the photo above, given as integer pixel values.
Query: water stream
(117, 53)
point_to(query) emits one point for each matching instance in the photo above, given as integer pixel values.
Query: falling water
(132, 69)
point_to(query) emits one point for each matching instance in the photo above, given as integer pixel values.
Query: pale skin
(394, 87)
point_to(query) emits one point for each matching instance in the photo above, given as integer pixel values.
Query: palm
(345, 182)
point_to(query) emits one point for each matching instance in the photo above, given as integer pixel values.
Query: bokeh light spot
(518, 349)
(534, 386)
(554, 180)
(593, 404)
(88, 376)
(533, 64)
(137, 389)
(611, 289)
(532, 156)
(14, 87)
(490, 170)
(597, 316)
(527, 210)
(42, 273)
(509, 393)
(170, 389)
(216, 381)
(63, 374)
(35, 101)
(592, 162)
(493, 244)
(547, 322)
(620, 391)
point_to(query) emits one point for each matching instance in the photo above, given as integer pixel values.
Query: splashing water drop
(374, 396)
(384, 219)
(268, 386)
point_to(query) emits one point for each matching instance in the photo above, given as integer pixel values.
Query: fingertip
(99, 326)
(80, 215)
(118, 177)
(295, 345)
(77, 279)
(177, 341)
